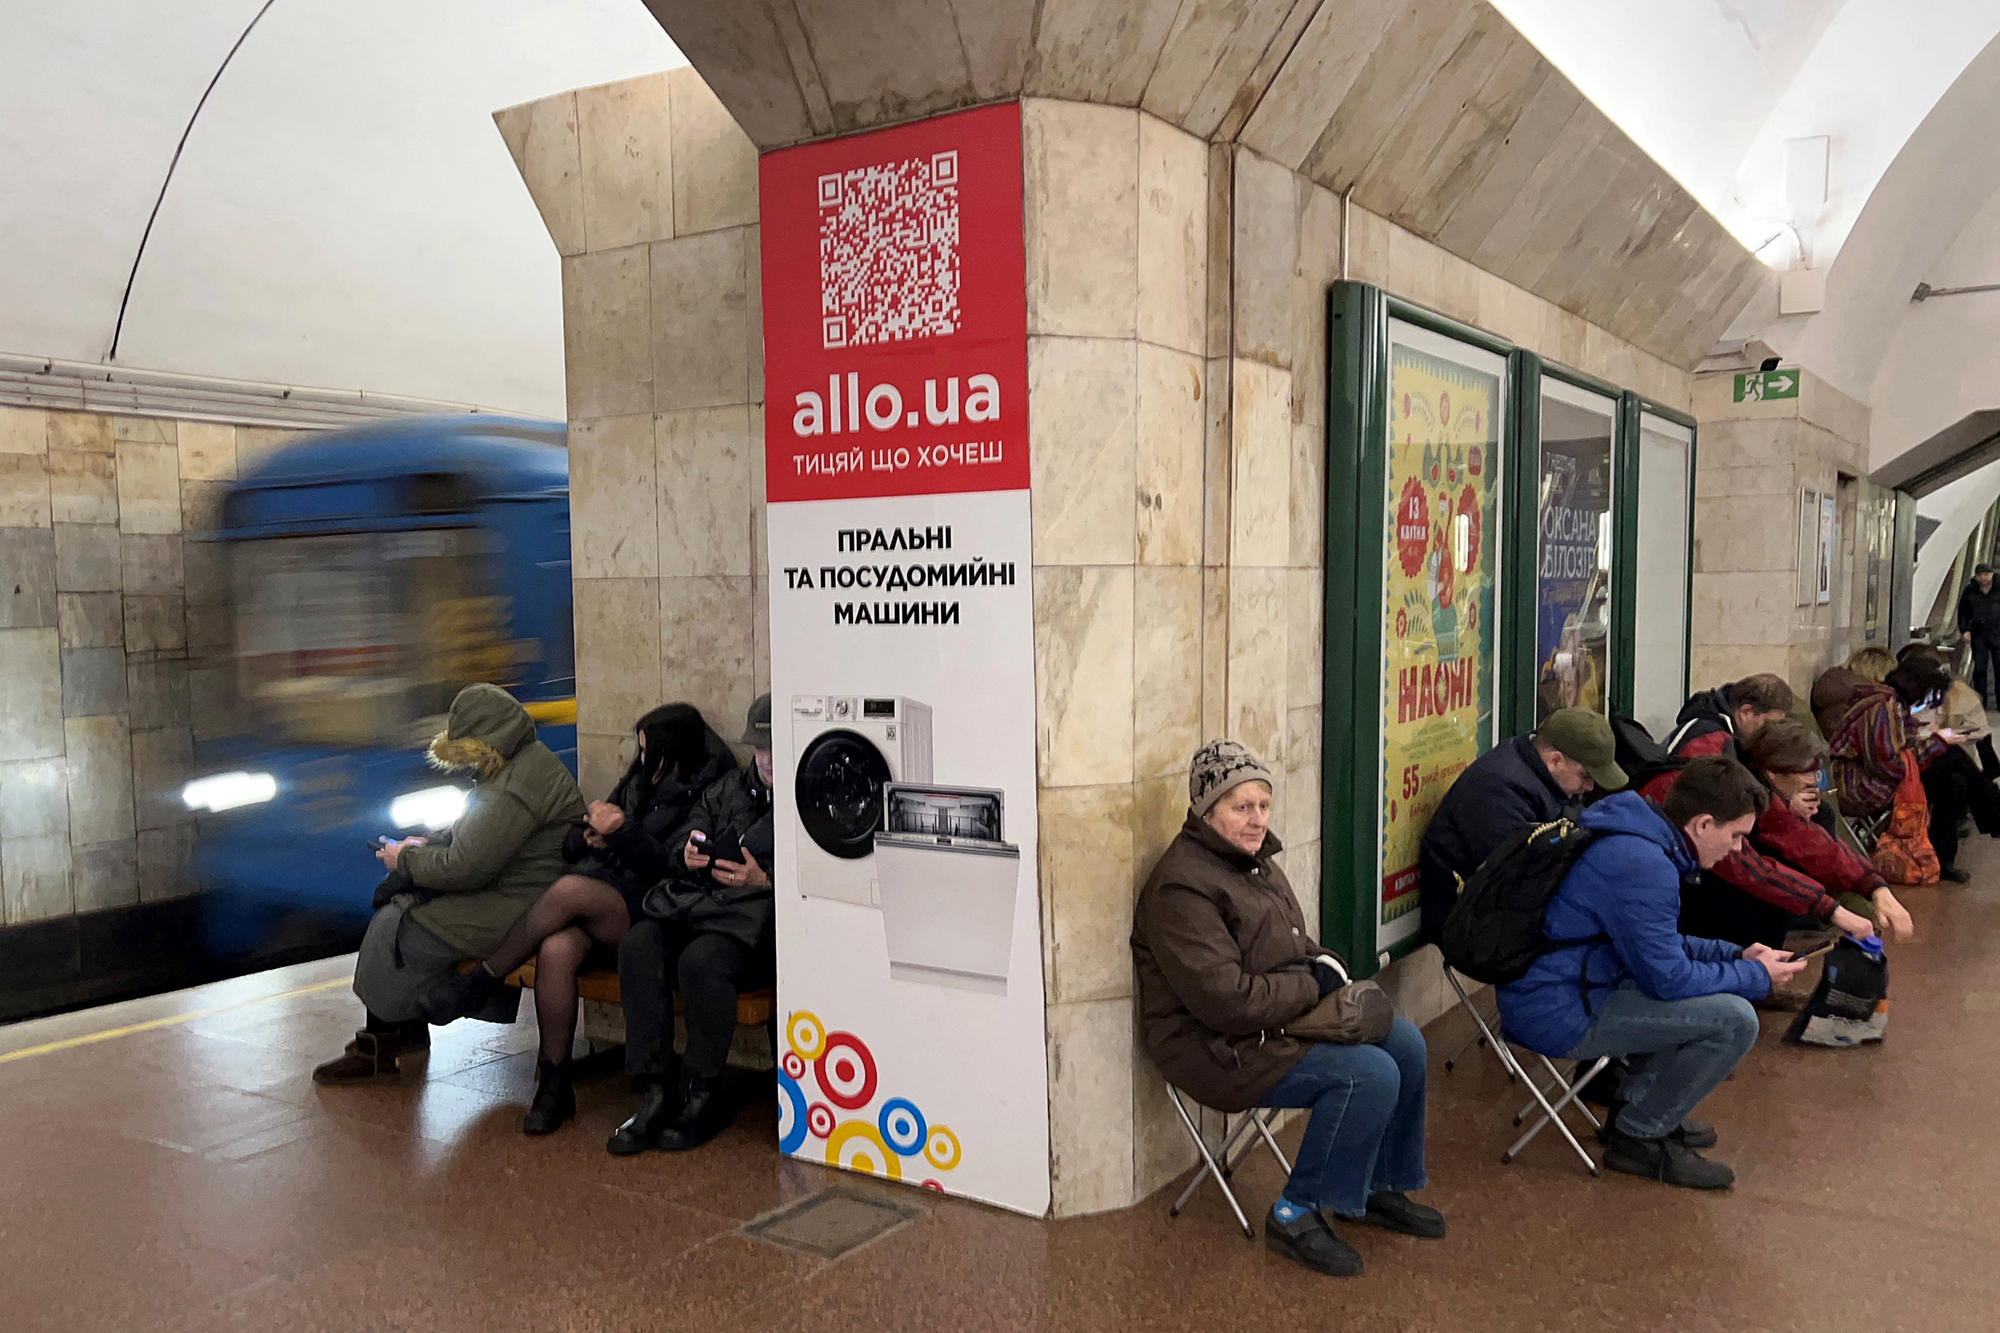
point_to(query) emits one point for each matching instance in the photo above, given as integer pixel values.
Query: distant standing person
(1979, 625)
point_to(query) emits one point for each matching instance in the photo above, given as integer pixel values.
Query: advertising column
(902, 658)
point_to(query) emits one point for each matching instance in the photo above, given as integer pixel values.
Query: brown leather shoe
(371, 1057)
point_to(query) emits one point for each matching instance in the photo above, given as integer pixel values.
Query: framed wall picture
(1807, 546)
(1823, 564)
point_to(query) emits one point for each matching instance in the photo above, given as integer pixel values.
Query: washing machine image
(949, 883)
(850, 748)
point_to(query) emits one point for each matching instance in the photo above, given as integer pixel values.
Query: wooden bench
(754, 1008)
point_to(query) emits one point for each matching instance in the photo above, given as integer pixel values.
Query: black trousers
(1714, 909)
(708, 970)
(1985, 664)
(1956, 788)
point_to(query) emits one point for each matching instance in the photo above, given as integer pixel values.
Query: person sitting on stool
(708, 933)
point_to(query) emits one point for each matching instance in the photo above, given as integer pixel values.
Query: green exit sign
(1756, 386)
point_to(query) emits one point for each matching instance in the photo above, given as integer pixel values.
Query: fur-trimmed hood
(484, 729)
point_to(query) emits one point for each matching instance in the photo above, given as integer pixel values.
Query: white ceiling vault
(344, 213)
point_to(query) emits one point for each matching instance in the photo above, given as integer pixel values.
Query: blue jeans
(1676, 1051)
(1366, 1134)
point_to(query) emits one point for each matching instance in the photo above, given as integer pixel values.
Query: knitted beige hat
(1220, 766)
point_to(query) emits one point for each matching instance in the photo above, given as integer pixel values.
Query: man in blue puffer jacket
(1676, 1007)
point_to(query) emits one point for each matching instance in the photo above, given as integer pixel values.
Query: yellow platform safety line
(149, 1025)
(553, 712)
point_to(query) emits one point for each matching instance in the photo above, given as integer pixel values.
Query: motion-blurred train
(373, 571)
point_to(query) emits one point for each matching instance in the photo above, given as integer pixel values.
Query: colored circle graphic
(806, 1034)
(856, 1146)
(793, 1066)
(934, 1185)
(820, 1120)
(902, 1126)
(846, 1071)
(791, 1113)
(941, 1148)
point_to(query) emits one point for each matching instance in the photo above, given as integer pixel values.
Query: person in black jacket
(624, 846)
(708, 934)
(1979, 625)
(1516, 785)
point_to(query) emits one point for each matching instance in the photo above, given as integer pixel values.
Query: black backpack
(1642, 757)
(1494, 933)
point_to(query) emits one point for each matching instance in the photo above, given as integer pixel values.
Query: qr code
(888, 252)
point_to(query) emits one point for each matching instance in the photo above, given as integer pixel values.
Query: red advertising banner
(895, 329)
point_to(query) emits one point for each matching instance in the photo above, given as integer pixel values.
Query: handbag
(1850, 1005)
(1903, 851)
(1357, 1014)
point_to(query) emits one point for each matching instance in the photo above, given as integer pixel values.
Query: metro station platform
(169, 1165)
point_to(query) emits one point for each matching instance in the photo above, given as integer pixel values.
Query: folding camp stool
(1222, 1165)
(1552, 1112)
(1482, 1033)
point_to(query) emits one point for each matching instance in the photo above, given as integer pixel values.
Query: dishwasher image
(949, 882)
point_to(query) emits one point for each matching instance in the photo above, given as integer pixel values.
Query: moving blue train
(373, 572)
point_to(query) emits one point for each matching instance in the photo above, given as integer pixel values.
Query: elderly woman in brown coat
(1224, 964)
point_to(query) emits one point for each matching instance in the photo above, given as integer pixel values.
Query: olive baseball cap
(1585, 736)
(757, 726)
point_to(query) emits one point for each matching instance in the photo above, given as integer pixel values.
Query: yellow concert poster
(1440, 544)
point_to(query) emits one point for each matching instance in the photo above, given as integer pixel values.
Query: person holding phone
(708, 934)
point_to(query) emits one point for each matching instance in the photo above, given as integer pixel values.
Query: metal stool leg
(1485, 1036)
(1209, 1167)
(1552, 1113)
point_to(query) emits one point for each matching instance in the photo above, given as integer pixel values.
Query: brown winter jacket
(1220, 948)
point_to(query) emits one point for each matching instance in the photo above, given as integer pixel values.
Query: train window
(440, 493)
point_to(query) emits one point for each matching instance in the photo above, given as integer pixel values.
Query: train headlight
(228, 791)
(433, 808)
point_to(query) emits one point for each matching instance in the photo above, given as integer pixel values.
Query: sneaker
(1954, 875)
(1666, 1160)
(1308, 1240)
(1694, 1133)
(371, 1056)
(555, 1100)
(1393, 1210)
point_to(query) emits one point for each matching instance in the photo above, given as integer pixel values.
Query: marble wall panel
(1082, 417)
(210, 631)
(607, 333)
(201, 506)
(105, 874)
(149, 487)
(1169, 445)
(1215, 462)
(34, 798)
(83, 487)
(31, 724)
(93, 681)
(1259, 660)
(256, 443)
(1305, 605)
(1740, 533)
(205, 567)
(1266, 259)
(613, 490)
(207, 451)
(159, 691)
(1214, 652)
(705, 509)
(150, 565)
(27, 578)
(542, 138)
(1302, 862)
(1159, 808)
(213, 702)
(624, 141)
(1743, 608)
(617, 653)
(1090, 1106)
(1161, 1149)
(24, 430)
(24, 491)
(1083, 675)
(84, 432)
(600, 762)
(706, 654)
(144, 430)
(1172, 298)
(1299, 821)
(1260, 501)
(99, 750)
(760, 634)
(155, 624)
(714, 162)
(162, 763)
(1166, 668)
(1308, 490)
(34, 878)
(163, 856)
(1081, 164)
(91, 619)
(701, 336)
(1086, 882)
(753, 305)
(89, 558)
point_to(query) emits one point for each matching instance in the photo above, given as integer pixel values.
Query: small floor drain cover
(831, 1223)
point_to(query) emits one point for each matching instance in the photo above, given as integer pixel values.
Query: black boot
(371, 1056)
(1308, 1240)
(659, 1104)
(459, 996)
(1694, 1133)
(705, 1112)
(555, 1099)
(1665, 1159)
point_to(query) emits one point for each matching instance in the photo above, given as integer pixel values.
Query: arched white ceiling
(1713, 89)
(344, 215)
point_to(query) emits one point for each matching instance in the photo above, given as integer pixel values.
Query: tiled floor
(191, 1176)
